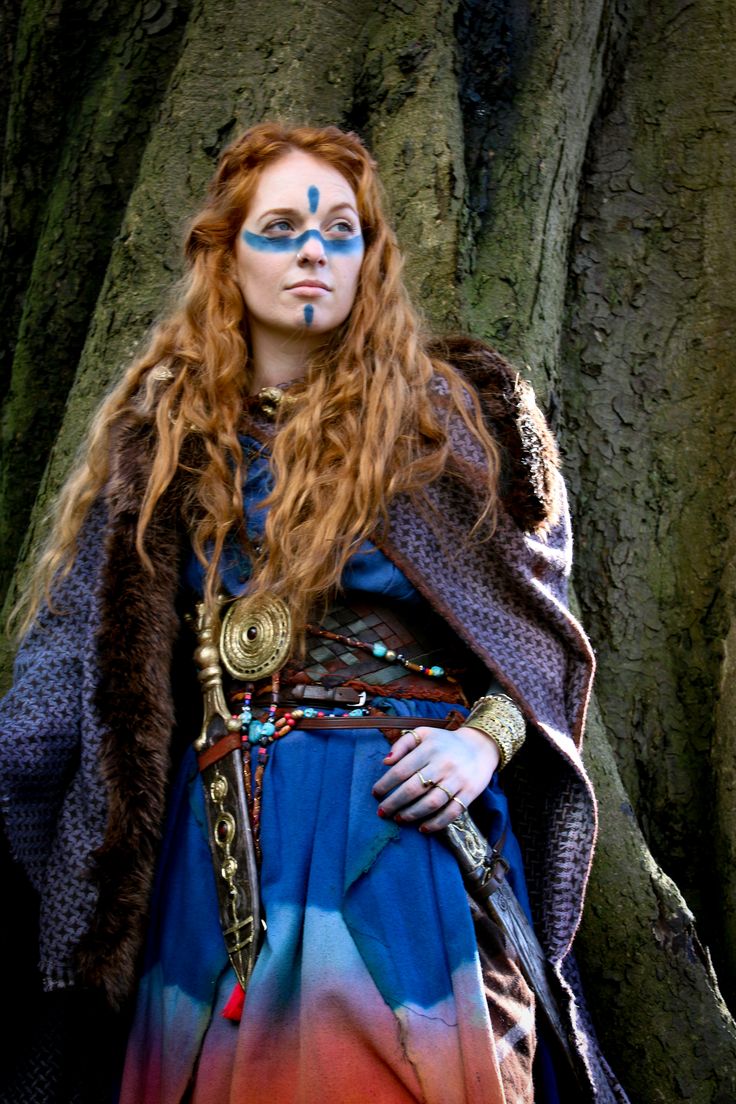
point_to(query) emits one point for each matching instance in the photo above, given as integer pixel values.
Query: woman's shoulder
(530, 485)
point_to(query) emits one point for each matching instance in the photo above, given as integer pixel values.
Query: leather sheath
(233, 854)
(484, 874)
(229, 831)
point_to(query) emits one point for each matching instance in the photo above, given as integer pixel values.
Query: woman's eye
(279, 226)
(342, 226)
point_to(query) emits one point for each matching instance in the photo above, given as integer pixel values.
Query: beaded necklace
(380, 651)
(262, 732)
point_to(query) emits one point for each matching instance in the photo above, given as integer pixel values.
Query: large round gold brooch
(255, 639)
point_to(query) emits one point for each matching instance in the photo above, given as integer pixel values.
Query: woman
(289, 436)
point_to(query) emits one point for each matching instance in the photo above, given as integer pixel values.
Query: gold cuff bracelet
(499, 717)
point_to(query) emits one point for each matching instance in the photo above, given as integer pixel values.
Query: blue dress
(368, 983)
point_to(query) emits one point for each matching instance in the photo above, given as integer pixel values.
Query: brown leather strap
(224, 746)
(234, 740)
(451, 721)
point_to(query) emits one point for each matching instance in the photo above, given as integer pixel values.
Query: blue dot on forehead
(313, 197)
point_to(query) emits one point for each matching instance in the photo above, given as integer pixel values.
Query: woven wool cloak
(86, 733)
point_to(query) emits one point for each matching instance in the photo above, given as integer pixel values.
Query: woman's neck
(279, 358)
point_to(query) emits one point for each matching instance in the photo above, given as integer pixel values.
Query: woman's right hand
(435, 773)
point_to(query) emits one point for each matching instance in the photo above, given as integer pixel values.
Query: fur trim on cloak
(135, 705)
(530, 457)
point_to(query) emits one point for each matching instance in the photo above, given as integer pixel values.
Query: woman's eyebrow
(278, 211)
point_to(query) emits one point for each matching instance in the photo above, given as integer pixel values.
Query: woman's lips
(309, 291)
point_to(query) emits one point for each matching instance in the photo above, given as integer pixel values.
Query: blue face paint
(309, 314)
(313, 197)
(293, 245)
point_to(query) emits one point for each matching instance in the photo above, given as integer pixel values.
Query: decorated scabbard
(220, 757)
(484, 873)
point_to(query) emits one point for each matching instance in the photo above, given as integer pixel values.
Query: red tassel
(233, 1010)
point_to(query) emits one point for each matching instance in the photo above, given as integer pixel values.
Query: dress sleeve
(40, 717)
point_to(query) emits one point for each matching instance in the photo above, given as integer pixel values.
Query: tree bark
(560, 180)
(651, 987)
(529, 121)
(86, 84)
(649, 397)
(724, 774)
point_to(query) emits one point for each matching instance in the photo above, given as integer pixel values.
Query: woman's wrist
(497, 716)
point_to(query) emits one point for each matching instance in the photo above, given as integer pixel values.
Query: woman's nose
(312, 252)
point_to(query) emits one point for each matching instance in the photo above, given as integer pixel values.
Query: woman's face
(300, 249)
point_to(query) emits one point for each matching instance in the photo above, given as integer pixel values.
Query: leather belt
(233, 740)
(452, 720)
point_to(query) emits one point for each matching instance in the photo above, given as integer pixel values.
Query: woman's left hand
(428, 769)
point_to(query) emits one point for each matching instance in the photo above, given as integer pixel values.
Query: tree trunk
(560, 179)
(650, 396)
(724, 773)
(650, 983)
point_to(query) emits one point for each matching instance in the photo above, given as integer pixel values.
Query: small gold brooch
(271, 399)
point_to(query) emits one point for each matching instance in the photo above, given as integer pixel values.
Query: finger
(427, 806)
(449, 812)
(408, 765)
(408, 741)
(406, 794)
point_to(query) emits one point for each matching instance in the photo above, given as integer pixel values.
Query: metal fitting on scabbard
(500, 718)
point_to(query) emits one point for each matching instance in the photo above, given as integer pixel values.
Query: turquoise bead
(246, 716)
(255, 732)
(379, 650)
(436, 672)
(267, 728)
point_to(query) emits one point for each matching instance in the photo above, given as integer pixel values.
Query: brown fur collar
(530, 456)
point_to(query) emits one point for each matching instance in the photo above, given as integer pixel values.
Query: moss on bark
(59, 228)
(9, 16)
(407, 105)
(724, 776)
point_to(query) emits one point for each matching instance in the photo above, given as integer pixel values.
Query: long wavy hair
(374, 418)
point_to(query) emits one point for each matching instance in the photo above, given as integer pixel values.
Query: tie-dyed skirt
(368, 986)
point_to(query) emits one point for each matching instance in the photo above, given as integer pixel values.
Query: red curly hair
(373, 420)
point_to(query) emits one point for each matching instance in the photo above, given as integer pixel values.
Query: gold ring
(440, 787)
(460, 803)
(426, 782)
(411, 732)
